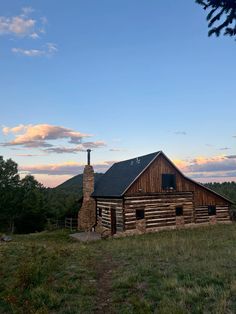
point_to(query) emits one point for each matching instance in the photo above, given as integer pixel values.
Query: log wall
(222, 214)
(106, 205)
(159, 210)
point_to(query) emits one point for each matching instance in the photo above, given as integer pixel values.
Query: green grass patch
(184, 271)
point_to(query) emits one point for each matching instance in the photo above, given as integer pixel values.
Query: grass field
(185, 271)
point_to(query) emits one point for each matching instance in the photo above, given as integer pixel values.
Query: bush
(30, 222)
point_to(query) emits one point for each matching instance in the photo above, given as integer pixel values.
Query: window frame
(140, 217)
(177, 213)
(171, 180)
(211, 210)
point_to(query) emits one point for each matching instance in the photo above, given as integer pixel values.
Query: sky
(121, 77)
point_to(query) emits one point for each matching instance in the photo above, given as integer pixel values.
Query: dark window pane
(168, 181)
(179, 211)
(211, 210)
(139, 214)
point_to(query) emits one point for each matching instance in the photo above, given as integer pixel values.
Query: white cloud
(34, 35)
(48, 50)
(17, 25)
(29, 52)
(116, 150)
(51, 48)
(27, 11)
(23, 25)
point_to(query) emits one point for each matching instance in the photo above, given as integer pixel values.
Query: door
(113, 221)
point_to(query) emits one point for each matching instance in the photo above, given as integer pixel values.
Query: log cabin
(149, 193)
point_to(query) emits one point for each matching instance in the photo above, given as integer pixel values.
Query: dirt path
(104, 285)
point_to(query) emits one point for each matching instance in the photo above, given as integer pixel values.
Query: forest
(26, 205)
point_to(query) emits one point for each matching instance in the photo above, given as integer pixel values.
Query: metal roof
(121, 175)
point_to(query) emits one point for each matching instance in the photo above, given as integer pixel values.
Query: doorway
(113, 221)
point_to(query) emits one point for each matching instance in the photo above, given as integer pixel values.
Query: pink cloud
(66, 168)
(37, 135)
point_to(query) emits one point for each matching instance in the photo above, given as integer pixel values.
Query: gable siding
(150, 182)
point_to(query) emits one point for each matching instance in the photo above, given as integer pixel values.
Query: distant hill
(75, 184)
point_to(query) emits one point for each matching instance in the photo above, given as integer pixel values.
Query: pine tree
(221, 16)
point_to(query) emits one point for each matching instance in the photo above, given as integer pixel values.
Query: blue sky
(138, 76)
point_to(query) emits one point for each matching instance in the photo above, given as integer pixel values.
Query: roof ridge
(157, 152)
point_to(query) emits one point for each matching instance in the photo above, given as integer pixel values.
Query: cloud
(116, 150)
(225, 148)
(66, 168)
(28, 155)
(215, 164)
(180, 133)
(73, 150)
(51, 48)
(27, 11)
(21, 25)
(17, 25)
(48, 50)
(28, 52)
(15, 130)
(37, 135)
(231, 156)
(34, 35)
(24, 26)
(208, 168)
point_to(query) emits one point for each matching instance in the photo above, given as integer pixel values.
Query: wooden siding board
(150, 182)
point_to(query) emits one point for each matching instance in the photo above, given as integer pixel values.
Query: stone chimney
(87, 213)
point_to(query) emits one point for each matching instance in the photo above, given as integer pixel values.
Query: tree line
(25, 204)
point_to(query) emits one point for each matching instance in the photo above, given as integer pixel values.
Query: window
(100, 212)
(139, 214)
(168, 181)
(179, 211)
(211, 210)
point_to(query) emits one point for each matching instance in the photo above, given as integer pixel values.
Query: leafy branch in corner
(221, 16)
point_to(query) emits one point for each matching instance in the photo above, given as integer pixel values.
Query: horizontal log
(159, 195)
(118, 200)
(160, 219)
(109, 206)
(160, 201)
(160, 225)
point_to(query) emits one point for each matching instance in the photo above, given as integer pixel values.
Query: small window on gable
(168, 181)
(100, 212)
(139, 214)
(179, 211)
(211, 210)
